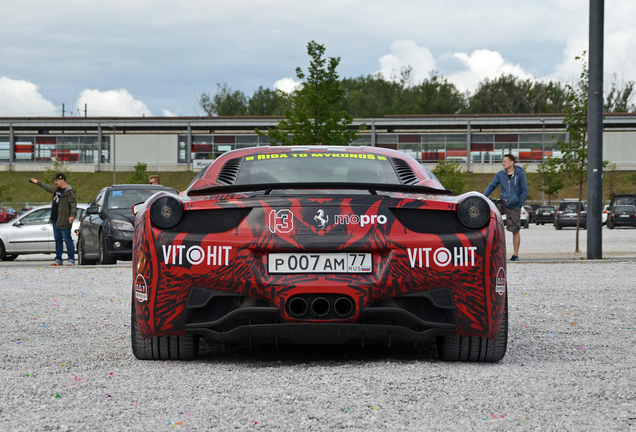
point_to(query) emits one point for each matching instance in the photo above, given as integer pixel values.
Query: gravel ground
(66, 363)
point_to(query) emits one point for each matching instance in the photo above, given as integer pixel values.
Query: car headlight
(166, 212)
(473, 212)
(121, 225)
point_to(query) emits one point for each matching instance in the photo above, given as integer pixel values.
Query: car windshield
(314, 167)
(624, 209)
(124, 199)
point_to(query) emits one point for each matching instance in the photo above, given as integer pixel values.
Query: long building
(187, 143)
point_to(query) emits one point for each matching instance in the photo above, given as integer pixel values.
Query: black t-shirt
(55, 204)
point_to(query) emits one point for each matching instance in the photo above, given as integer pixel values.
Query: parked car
(25, 209)
(532, 214)
(106, 232)
(622, 215)
(567, 214)
(524, 217)
(7, 214)
(545, 214)
(313, 245)
(32, 233)
(622, 199)
(605, 214)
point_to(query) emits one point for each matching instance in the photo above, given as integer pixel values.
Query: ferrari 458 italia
(319, 245)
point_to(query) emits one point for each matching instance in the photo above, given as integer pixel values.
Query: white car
(32, 233)
(524, 218)
(605, 214)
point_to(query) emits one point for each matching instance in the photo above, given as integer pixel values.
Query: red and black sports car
(319, 245)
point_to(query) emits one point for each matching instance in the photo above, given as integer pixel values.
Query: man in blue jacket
(514, 191)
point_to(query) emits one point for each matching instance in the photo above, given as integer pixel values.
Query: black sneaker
(514, 258)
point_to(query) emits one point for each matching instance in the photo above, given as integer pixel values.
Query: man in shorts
(514, 191)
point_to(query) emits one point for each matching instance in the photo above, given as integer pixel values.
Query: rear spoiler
(372, 188)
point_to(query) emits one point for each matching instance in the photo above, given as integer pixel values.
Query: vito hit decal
(442, 257)
(196, 255)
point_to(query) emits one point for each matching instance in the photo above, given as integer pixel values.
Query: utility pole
(113, 156)
(85, 110)
(595, 133)
(62, 110)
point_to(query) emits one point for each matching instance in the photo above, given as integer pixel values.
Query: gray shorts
(513, 218)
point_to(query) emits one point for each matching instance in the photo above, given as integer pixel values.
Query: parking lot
(66, 362)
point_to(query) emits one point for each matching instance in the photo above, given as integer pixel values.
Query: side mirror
(137, 207)
(94, 209)
(17, 224)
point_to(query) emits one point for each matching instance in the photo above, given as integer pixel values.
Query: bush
(140, 176)
(452, 176)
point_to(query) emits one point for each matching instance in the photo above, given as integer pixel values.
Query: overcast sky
(155, 58)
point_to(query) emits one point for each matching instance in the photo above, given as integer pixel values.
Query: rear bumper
(320, 334)
(569, 222)
(405, 319)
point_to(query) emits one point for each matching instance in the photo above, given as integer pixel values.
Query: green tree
(619, 96)
(314, 114)
(225, 102)
(451, 175)
(265, 101)
(436, 96)
(140, 176)
(551, 177)
(573, 158)
(509, 94)
(373, 96)
(369, 96)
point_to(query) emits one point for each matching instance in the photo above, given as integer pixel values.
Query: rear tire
(81, 250)
(161, 347)
(475, 348)
(557, 226)
(104, 253)
(610, 224)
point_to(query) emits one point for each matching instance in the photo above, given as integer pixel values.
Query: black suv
(545, 214)
(567, 214)
(622, 215)
(106, 232)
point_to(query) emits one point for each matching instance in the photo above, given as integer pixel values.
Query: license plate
(624, 216)
(320, 262)
(547, 213)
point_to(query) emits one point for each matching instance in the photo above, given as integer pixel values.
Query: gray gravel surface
(66, 364)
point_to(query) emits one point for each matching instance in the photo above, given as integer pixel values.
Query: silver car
(32, 233)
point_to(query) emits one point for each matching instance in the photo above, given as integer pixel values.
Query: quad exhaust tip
(308, 306)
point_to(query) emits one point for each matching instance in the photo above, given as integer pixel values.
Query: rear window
(624, 209)
(313, 167)
(545, 209)
(624, 200)
(570, 207)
